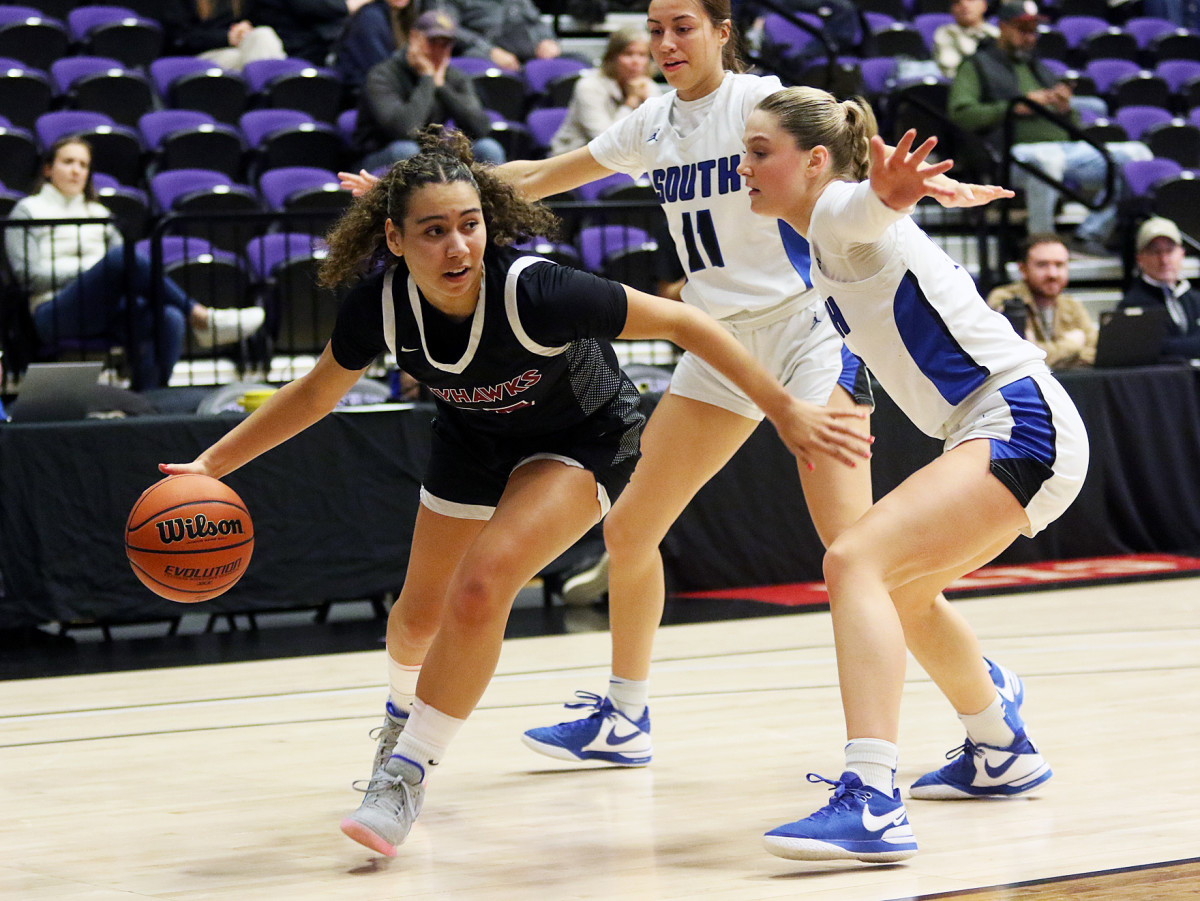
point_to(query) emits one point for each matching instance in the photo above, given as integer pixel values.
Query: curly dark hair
(357, 242)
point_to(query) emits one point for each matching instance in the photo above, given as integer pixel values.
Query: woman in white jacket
(612, 92)
(80, 287)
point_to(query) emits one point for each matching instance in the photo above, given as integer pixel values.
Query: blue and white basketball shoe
(983, 771)
(858, 823)
(605, 734)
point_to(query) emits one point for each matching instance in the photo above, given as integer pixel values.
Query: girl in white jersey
(1015, 457)
(689, 141)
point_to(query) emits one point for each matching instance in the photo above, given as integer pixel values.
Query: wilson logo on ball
(191, 528)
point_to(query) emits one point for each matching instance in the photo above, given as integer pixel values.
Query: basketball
(189, 538)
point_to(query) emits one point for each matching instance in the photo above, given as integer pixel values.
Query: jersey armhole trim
(510, 307)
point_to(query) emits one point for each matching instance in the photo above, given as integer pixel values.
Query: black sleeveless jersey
(534, 358)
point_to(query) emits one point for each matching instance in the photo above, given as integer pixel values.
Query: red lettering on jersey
(484, 394)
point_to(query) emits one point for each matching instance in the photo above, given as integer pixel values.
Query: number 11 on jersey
(708, 238)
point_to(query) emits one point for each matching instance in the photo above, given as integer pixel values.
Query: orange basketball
(189, 538)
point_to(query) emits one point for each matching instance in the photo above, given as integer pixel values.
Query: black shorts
(469, 469)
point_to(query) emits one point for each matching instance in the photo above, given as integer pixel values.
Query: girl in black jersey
(536, 429)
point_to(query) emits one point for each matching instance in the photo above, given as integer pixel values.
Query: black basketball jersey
(534, 358)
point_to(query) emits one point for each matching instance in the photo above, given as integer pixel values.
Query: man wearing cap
(1008, 68)
(1054, 320)
(1159, 283)
(416, 87)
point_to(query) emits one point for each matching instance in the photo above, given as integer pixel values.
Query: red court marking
(987, 579)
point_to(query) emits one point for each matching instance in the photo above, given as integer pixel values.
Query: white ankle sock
(989, 727)
(874, 761)
(402, 684)
(427, 735)
(629, 696)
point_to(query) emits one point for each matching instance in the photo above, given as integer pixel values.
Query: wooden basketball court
(228, 781)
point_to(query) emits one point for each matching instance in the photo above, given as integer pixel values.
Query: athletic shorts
(1039, 447)
(797, 345)
(469, 470)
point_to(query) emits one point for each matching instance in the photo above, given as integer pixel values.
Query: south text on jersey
(697, 180)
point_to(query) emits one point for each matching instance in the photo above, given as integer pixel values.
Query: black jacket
(396, 103)
(1179, 342)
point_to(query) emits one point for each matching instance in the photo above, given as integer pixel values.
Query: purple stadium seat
(1076, 28)
(278, 186)
(543, 123)
(1146, 28)
(472, 65)
(540, 72)
(116, 31)
(1141, 175)
(186, 139)
(175, 247)
(104, 84)
(596, 242)
(786, 37)
(15, 13)
(157, 125)
(1136, 119)
(293, 83)
(877, 73)
(347, 121)
(168, 187)
(187, 82)
(1177, 72)
(258, 124)
(83, 19)
(592, 190)
(1105, 72)
(284, 137)
(928, 23)
(68, 70)
(266, 253)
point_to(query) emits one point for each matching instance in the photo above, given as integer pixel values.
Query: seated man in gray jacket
(416, 87)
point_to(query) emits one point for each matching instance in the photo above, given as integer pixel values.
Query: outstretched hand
(965, 195)
(810, 431)
(357, 183)
(900, 178)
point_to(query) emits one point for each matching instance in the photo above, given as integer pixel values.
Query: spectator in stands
(1159, 282)
(77, 280)
(612, 92)
(508, 32)
(1008, 68)
(371, 35)
(219, 31)
(308, 28)
(416, 87)
(955, 41)
(1056, 322)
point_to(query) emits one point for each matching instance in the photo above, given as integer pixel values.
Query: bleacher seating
(100, 71)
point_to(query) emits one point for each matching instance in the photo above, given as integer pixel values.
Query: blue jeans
(107, 301)
(1076, 163)
(486, 150)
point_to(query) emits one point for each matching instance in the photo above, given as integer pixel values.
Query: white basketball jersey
(734, 260)
(918, 321)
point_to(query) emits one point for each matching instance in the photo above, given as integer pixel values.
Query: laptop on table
(1131, 336)
(56, 392)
